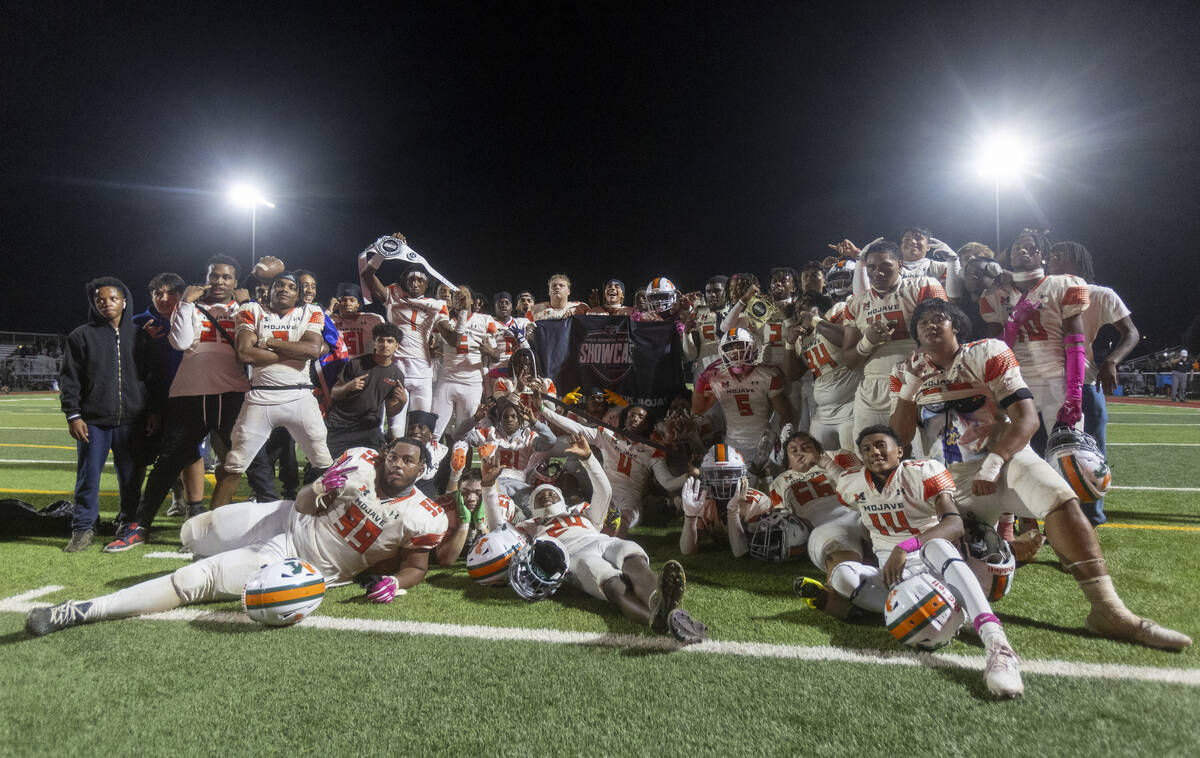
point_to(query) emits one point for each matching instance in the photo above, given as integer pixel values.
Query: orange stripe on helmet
(918, 618)
(1071, 471)
(275, 597)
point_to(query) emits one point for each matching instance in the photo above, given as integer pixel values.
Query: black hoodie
(104, 369)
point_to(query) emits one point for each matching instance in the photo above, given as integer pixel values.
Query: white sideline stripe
(1156, 489)
(1145, 423)
(1155, 444)
(31, 460)
(34, 428)
(1187, 677)
(181, 556)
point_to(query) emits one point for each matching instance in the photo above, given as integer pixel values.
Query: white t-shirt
(1105, 307)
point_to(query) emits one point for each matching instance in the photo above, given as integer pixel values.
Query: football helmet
(721, 470)
(661, 294)
(738, 348)
(922, 612)
(539, 569)
(490, 558)
(1076, 456)
(544, 508)
(839, 280)
(779, 536)
(990, 558)
(546, 472)
(284, 593)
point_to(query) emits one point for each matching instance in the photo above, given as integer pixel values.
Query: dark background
(509, 141)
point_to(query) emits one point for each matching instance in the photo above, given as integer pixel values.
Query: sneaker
(1001, 673)
(42, 621)
(671, 584)
(196, 510)
(130, 536)
(178, 506)
(813, 592)
(81, 539)
(686, 629)
(1130, 628)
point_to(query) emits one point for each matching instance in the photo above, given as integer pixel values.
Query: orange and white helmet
(721, 470)
(923, 613)
(1077, 457)
(661, 295)
(738, 348)
(490, 558)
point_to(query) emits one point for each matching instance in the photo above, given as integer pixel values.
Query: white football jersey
(506, 342)
(361, 529)
(895, 308)
(1039, 345)
(627, 464)
(833, 383)
(754, 505)
(509, 510)
(514, 451)
(903, 507)
(462, 361)
(812, 495)
(960, 405)
(416, 317)
(708, 324)
(356, 331)
(506, 385)
(290, 326)
(770, 338)
(210, 365)
(574, 529)
(745, 399)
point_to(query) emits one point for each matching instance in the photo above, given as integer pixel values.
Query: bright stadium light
(245, 196)
(1003, 159)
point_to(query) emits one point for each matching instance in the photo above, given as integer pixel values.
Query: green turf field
(454, 668)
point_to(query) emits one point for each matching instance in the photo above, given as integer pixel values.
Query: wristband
(990, 469)
(815, 320)
(864, 347)
(318, 488)
(910, 545)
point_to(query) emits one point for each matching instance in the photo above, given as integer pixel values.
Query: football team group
(852, 414)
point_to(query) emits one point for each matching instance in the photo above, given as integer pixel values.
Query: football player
(515, 433)
(908, 509)
(876, 337)
(1040, 318)
(833, 385)
(702, 341)
(721, 502)
(522, 383)
(560, 304)
(363, 514)
(746, 392)
(613, 302)
(977, 416)
(460, 379)
(354, 323)
(628, 462)
(605, 567)
(513, 329)
(279, 343)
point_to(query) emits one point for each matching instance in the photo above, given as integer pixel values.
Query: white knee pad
(938, 554)
(861, 584)
(194, 582)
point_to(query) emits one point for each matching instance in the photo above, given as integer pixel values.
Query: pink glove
(384, 591)
(1076, 358)
(334, 477)
(1022, 312)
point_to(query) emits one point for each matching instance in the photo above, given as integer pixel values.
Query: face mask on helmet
(738, 349)
(1077, 458)
(539, 569)
(545, 507)
(989, 557)
(922, 612)
(779, 536)
(722, 470)
(490, 558)
(661, 295)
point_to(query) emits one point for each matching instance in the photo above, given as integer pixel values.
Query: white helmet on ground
(922, 612)
(721, 470)
(284, 593)
(489, 559)
(1077, 457)
(990, 558)
(661, 295)
(738, 348)
(779, 536)
(539, 569)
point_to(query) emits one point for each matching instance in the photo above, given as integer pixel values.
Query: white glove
(766, 443)
(692, 497)
(734, 506)
(778, 453)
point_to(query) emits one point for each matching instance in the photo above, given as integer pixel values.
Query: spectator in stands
(1180, 369)
(104, 398)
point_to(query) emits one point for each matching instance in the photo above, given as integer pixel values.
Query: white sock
(152, 596)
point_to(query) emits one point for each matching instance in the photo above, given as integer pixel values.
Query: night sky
(509, 141)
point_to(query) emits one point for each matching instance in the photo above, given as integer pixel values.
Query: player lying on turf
(908, 509)
(605, 567)
(978, 416)
(364, 511)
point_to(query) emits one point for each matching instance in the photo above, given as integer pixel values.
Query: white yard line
(1156, 489)
(1148, 423)
(1155, 444)
(1104, 671)
(176, 556)
(30, 460)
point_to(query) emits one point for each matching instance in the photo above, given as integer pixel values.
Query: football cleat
(686, 629)
(178, 506)
(665, 600)
(42, 621)
(1130, 628)
(811, 591)
(128, 537)
(1001, 672)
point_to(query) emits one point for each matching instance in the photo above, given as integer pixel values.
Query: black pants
(260, 474)
(189, 420)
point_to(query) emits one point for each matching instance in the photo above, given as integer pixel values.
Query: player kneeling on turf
(605, 567)
(363, 513)
(908, 509)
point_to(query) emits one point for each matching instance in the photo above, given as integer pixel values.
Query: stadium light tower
(1003, 158)
(246, 196)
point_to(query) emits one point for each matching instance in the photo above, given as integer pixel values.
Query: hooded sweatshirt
(104, 369)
